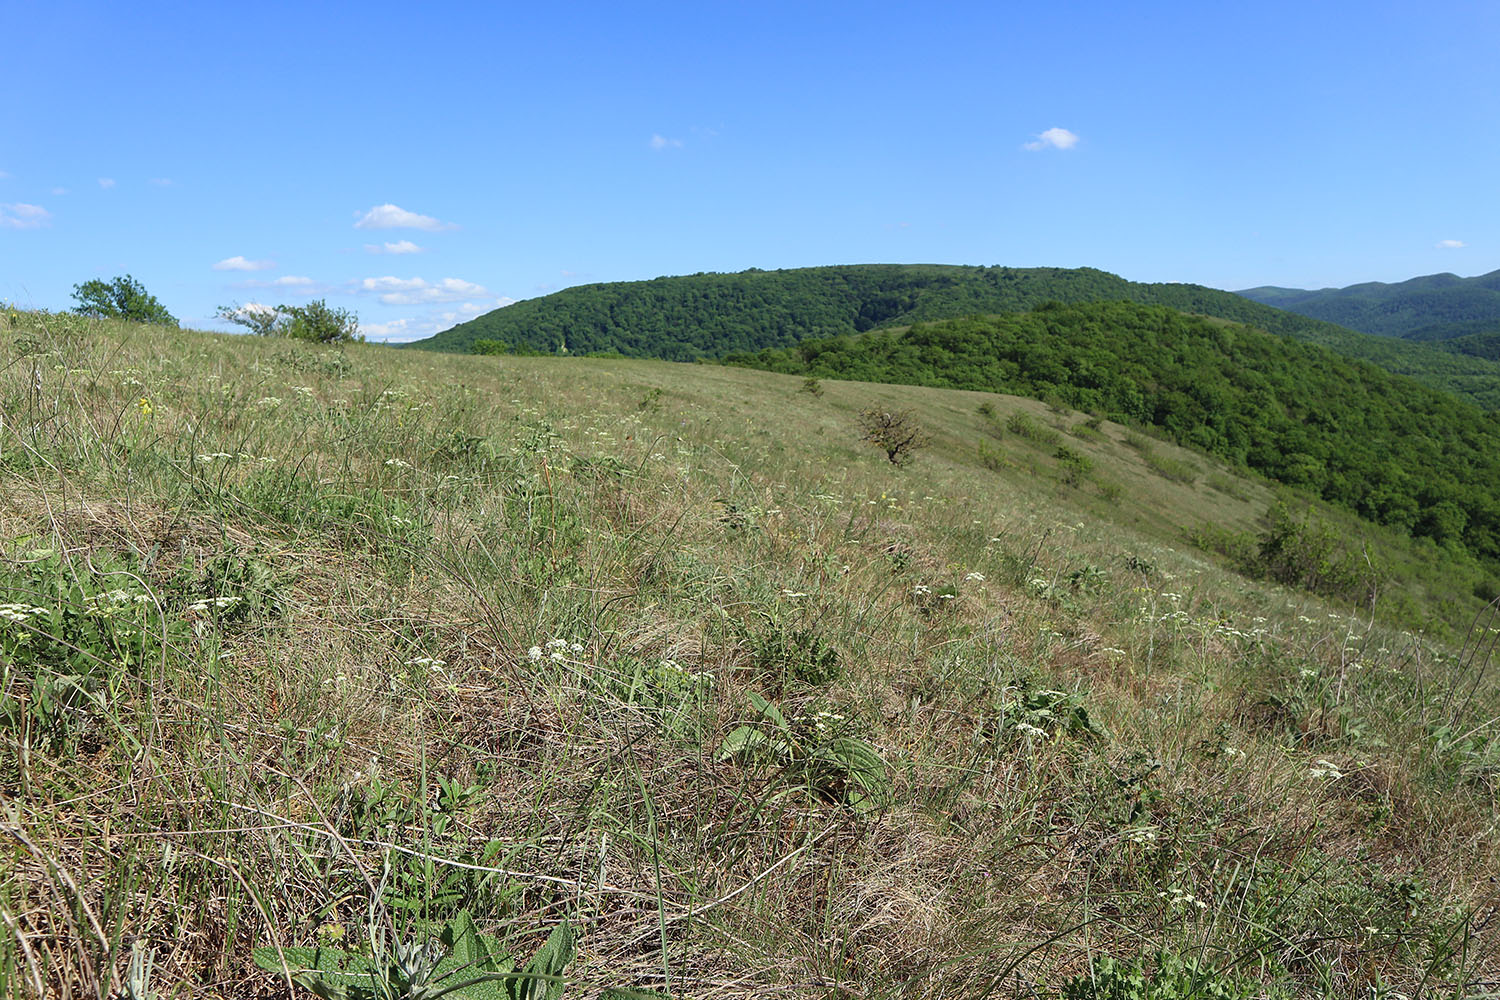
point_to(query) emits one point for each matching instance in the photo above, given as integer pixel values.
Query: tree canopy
(120, 298)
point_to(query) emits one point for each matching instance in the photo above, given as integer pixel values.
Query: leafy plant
(799, 650)
(1171, 978)
(836, 766)
(69, 650)
(1048, 711)
(120, 298)
(462, 963)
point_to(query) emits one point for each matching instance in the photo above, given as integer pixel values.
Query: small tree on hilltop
(894, 431)
(317, 321)
(120, 298)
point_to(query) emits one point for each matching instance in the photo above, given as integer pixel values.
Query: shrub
(320, 323)
(317, 322)
(1075, 466)
(1021, 425)
(120, 298)
(894, 431)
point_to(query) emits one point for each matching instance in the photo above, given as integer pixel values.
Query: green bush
(1023, 426)
(120, 298)
(316, 322)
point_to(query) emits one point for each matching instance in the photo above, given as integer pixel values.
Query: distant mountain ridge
(1431, 307)
(711, 315)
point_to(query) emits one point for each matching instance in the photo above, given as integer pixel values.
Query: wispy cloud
(1450, 244)
(238, 263)
(398, 331)
(163, 182)
(402, 246)
(416, 291)
(4, 176)
(19, 215)
(59, 190)
(1053, 138)
(660, 142)
(106, 182)
(395, 217)
(289, 284)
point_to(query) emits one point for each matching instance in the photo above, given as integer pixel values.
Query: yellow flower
(145, 405)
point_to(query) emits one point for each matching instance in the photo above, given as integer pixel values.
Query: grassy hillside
(306, 648)
(1379, 445)
(1432, 307)
(711, 315)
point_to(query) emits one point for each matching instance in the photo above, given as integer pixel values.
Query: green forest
(1379, 445)
(708, 315)
(1433, 307)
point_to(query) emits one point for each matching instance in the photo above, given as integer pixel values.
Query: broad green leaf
(769, 710)
(741, 739)
(541, 979)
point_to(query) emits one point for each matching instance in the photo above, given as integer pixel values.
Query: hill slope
(1380, 445)
(311, 651)
(711, 315)
(1432, 307)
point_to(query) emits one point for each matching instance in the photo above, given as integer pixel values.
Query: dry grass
(272, 767)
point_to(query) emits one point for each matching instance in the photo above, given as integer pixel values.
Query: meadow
(658, 673)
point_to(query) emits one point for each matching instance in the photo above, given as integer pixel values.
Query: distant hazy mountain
(1432, 307)
(710, 315)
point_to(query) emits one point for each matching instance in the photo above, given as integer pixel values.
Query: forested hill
(1380, 445)
(1432, 307)
(712, 315)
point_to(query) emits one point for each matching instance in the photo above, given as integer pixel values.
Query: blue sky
(421, 164)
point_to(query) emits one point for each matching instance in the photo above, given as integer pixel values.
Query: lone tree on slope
(894, 431)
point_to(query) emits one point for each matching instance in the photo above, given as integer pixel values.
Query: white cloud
(19, 215)
(4, 176)
(59, 190)
(106, 182)
(163, 182)
(403, 246)
(1053, 138)
(396, 331)
(659, 142)
(416, 291)
(290, 284)
(415, 328)
(1450, 244)
(395, 217)
(238, 263)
